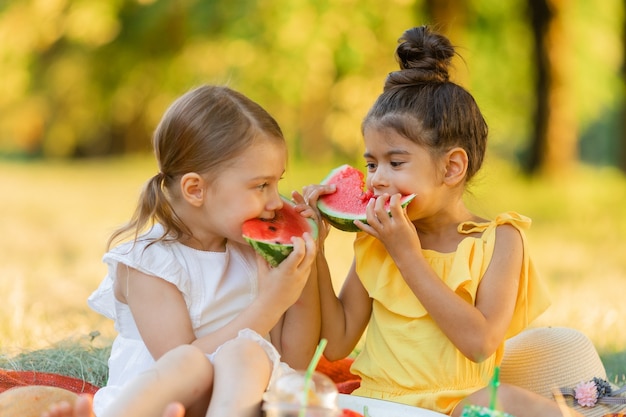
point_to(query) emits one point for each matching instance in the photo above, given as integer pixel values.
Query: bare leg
(516, 401)
(242, 372)
(183, 375)
(84, 406)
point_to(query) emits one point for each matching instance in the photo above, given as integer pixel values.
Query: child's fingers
(303, 254)
(371, 217)
(380, 207)
(395, 206)
(292, 261)
(299, 248)
(306, 211)
(305, 246)
(370, 213)
(309, 209)
(312, 193)
(377, 215)
(311, 248)
(303, 205)
(297, 197)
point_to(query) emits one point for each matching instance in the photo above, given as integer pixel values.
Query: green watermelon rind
(345, 221)
(340, 221)
(274, 253)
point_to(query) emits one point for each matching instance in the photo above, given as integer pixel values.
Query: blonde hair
(200, 132)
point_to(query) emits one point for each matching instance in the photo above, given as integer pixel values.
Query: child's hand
(283, 284)
(395, 230)
(306, 204)
(313, 192)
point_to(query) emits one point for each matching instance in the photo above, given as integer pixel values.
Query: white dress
(216, 286)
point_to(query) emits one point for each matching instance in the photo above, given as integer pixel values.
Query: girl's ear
(456, 166)
(192, 188)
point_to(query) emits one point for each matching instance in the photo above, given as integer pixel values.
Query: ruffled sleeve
(157, 260)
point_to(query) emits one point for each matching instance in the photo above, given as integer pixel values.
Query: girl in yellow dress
(439, 288)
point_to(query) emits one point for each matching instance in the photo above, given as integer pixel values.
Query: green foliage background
(87, 78)
(92, 77)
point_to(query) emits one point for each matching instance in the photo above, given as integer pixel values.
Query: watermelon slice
(349, 202)
(271, 238)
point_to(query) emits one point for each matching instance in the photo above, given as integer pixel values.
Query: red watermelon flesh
(346, 412)
(272, 237)
(349, 201)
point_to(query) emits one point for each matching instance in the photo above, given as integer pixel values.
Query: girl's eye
(370, 166)
(262, 186)
(396, 164)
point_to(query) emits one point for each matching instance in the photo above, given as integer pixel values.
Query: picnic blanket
(338, 371)
(11, 379)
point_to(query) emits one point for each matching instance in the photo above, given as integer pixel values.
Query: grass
(57, 216)
(75, 358)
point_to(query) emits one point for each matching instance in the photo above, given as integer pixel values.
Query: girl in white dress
(187, 283)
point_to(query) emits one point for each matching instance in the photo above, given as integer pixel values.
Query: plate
(382, 408)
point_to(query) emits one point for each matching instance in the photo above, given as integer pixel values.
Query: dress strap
(515, 219)
(470, 227)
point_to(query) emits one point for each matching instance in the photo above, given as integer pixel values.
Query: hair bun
(424, 56)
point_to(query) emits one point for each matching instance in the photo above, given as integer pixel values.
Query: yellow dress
(405, 357)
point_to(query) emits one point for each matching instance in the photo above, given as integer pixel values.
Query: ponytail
(153, 207)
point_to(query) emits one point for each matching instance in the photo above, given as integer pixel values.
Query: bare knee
(187, 360)
(185, 355)
(243, 353)
(245, 364)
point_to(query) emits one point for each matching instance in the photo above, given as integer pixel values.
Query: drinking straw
(309, 374)
(495, 382)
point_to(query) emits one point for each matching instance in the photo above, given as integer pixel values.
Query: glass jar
(286, 397)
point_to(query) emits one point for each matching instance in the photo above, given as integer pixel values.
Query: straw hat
(549, 359)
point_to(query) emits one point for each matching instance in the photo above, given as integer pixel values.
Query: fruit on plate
(272, 237)
(349, 202)
(346, 412)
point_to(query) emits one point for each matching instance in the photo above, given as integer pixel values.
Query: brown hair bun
(423, 56)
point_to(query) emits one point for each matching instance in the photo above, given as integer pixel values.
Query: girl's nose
(377, 179)
(275, 202)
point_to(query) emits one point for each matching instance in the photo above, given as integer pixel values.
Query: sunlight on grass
(56, 218)
(78, 358)
(578, 241)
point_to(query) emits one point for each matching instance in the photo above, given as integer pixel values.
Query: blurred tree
(326, 63)
(554, 143)
(493, 41)
(93, 77)
(451, 18)
(622, 131)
